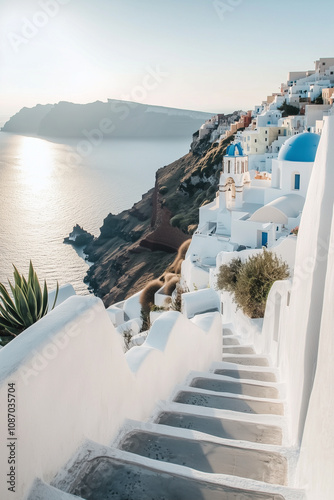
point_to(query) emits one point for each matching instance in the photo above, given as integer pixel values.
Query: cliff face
(138, 244)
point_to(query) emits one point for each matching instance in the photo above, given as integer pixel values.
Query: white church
(254, 209)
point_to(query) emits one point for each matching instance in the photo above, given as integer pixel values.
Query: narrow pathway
(221, 437)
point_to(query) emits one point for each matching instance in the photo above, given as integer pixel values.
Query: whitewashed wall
(73, 382)
(298, 330)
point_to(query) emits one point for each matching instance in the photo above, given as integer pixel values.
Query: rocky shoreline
(138, 244)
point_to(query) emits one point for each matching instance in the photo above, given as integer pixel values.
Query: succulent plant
(28, 305)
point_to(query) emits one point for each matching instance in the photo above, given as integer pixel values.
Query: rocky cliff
(138, 244)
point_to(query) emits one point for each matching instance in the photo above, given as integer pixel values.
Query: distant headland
(113, 118)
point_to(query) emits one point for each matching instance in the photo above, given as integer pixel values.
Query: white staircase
(222, 436)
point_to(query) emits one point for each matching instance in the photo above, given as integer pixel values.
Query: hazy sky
(210, 55)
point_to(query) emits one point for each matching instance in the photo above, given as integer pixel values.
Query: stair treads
(223, 428)
(256, 391)
(250, 375)
(230, 341)
(111, 479)
(208, 457)
(245, 360)
(241, 349)
(229, 403)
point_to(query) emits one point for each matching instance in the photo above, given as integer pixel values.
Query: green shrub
(288, 109)
(29, 303)
(176, 304)
(228, 275)
(319, 99)
(145, 317)
(157, 309)
(176, 220)
(255, 279)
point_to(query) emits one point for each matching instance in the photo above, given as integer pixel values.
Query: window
(266, 139)
(279, 132)
(297, 182)
(266, 131)
(255, 140)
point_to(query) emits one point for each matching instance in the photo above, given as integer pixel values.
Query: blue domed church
(292, 170)
(254, 209)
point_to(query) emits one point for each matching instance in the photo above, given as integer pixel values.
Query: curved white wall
(298, 330)
(73, 382)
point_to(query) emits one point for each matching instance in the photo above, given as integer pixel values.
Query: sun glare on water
(36, 163)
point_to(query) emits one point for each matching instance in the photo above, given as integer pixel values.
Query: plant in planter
(28, 305)
(176, 304)
(252, 280)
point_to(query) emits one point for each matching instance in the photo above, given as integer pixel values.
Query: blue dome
(301, 147)
(235, 150)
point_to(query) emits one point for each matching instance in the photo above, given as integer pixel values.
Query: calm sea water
(44, 192)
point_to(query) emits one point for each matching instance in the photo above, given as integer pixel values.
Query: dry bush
(181, 253)
(171, 285)
(147, 296)
(175, 267)
(168, 276)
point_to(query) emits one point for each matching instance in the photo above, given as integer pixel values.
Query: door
(264, 239)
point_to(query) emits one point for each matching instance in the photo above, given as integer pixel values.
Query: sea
(47, 187)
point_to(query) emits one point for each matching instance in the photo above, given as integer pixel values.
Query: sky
(207, 55)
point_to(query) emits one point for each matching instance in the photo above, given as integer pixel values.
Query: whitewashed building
(252, 211)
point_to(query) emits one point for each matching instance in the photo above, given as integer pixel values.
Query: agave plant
(29, 303)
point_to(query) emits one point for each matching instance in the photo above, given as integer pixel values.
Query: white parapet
(70, 381)
(199, 302)
(116, 315)
(64, 293)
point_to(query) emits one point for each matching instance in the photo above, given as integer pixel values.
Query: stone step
(238, 403)
(113, 474)
(110, 479)
(228, 332)
(43, 491)
(246, 375)
(230, 340)
(207, 456)
(246, 359)
(222, 427)
(241, 349)
(235, 387)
